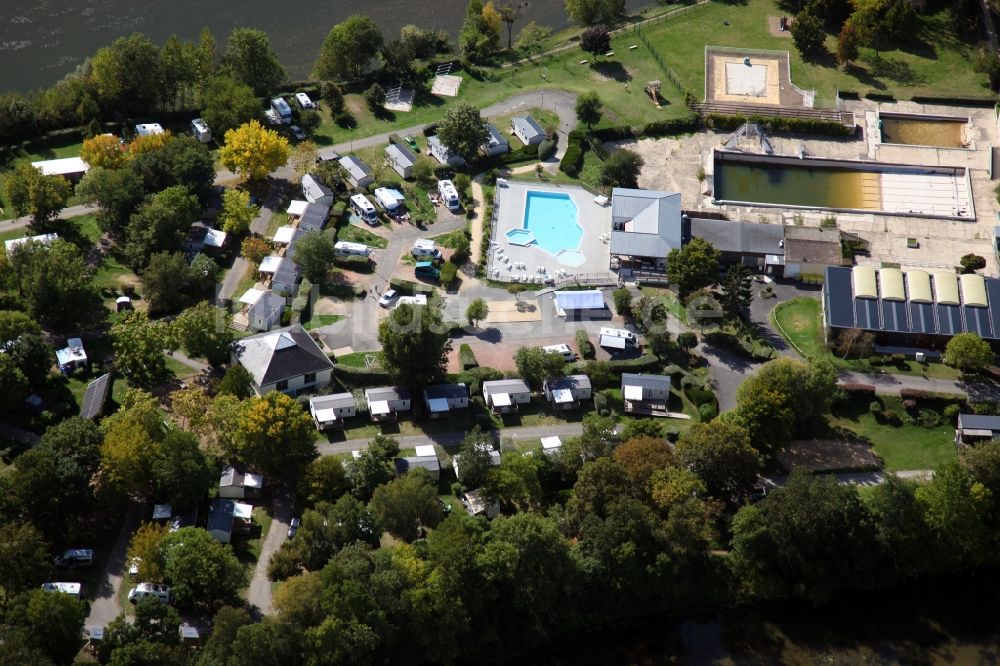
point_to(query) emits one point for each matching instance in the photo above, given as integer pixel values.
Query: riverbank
(949, 620)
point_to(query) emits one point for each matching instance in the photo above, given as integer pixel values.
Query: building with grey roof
(329, 411)
(645, 226)
(400, 159)
(503, 396)
(315, 191)
(443, 153)
(567, 392)
(387, 402)
(286, 360)
(645, 393)
(442, 399)
(359, 174)
(752, 244)
(974, 428)
(497, 143)
(424, 457)
(527, 130)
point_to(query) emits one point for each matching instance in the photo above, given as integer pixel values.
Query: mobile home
(400, 159)
(449, 194)
(364, 209)
(423, 247)
(200, 130)
(281, 109)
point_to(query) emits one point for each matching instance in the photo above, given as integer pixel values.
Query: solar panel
(839, 301)
(949, 319)
(866, 312)
(993, 292)
(977, 320)
(922, 318)
(95, 396)
(894, 316)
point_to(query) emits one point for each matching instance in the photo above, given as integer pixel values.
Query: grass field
(317, 321)
(900, 447)
(935, 63)
(355, 234)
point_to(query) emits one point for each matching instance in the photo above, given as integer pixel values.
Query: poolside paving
(591, 255)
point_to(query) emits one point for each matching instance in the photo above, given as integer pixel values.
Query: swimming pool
(552, 218)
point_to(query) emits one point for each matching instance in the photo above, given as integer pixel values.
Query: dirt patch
(325, 306)
(827, 455)
(499, 356)
(510, 311)
(774, 26)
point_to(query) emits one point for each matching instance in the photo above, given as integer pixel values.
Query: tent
(580, 300)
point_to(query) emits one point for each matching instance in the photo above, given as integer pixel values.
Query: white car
(298, 132)
(387, 298)
(133, 567)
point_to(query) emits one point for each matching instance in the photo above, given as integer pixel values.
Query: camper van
(72, 589)
(348, 249)
(614, 334)
(449, 194)
(387, 199)
(419, 299)
(427, 269)
(200, 130)
(281, 109)
(75, 557)
(161, 592)
(364, 209)
(562, 350)
(304, 101)
(425, 248)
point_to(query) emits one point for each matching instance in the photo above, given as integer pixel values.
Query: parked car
(293, 527)
(133, 567)
(161, 592)
(412, 143)
(298, 132)
(387, 298)
(75, 557)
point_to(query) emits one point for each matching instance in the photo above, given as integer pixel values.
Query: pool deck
(592, 256)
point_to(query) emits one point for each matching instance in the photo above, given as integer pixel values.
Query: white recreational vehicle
(282, 110)
(449, 194)
(388, 199)
(423, 247)
(304, 101)
(617, 338)
(347, 249)
(364, 209)
(200, 130)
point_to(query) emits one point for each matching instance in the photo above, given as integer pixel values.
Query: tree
(532, 37)
(643, 455)
(600, 484)
(808, 34)
(237, 382)
(57, 622)
(274, 433)
(314, 253)
(250, 59)
(116, 192)
(535, 365)
(180, 160)
(24, 558)
(374, 97)
(304, 156)
(848, 42)
(595, 40)
(139, 344)
(373, 467)
(160, 224)
(589, 108)
(225, 624)
(515, 483)
(415, 345)
(476, 458)
(480, 33)
(14, 324)
(623, 301)
(687, 340)
(397, 59)
(104, 151)
(971, 263)
(203, 330)
(406, 503)
(324, 480)
(463, 130)
(694, 266)
(721, 455)
(621, 169)
(509, 13)
(146, 551)
(968, 352)
(181, 474)
(17, 117)
(54, 282)
(125, 74)
(589, 12)
(202, 571)
(253, 151)
(29, 192)
(127, 454)
(900, 527)
(255, 248)
(680, 496)
(736, 290)
(955, 508)
(348, 48)
(237, 212)
(226, 104)
(477, 311)
(854, 340)
(167, 283)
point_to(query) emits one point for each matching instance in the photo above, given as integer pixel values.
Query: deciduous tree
(24, 558)
(202, 571)
(226, 104)
(160, 224)
(968, 352)
(139, 344)
(105, 151)
(274, 434)
(621, 169)
(694, 266)
(180, 160)
(203, 330)
(532, 37)
(721, 455)
(480, 34)
(535, 365)
(406, 503)
(182, 475)
(643, 455)
(415, 345)
(250, 60)
(589, 12)
(595, 40)
(255, 248)
(54, 282)
(314, 253)
(589, 108)
(146, 550)
(117, 193)
(125, 74)
(348, 48)
(514, 484)
(808, 34)
(324, 480)
(127, 454)
(29, 192)
(463, 130)
(373, 467)
(253, 151)
(476, 312)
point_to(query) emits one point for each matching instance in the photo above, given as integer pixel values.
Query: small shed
(263, 308)
(72, 356)
(235, 484)
(425, 457)
(400, 159)
(645, 392)
(443, 153)
(503, 396)
(442, 399)
(359, 174)
(567, 392)
(387, 402)
(973, 428)
(496, 143)
(527, 130)
(315, 190)
(329, 411)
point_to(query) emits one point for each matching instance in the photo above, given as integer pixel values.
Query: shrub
(600, 401)
(951, 412)
(875, 408)
(672, 433)
(707, 412)
(700, 396)
(600, 374)
(584, 345)
(909, 404)
(546, 149)
(687, 340)
(408, 288)
(284, 564)
(972, 262)
(466, 357)
(775, 124)
(929, 418)
(644, 362)
(915, 394)
(345, 119)
(891, 417)
(333, 95)
(352, 376)
(474, 378)
(572, 160)
(674, 126)
(448, 272)
(899, 359)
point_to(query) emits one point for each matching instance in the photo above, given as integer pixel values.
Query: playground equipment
(653, 90)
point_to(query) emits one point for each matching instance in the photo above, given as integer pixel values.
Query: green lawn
(451, 239)
(355, 360)
(317, 321)
(900, 447)
(355, 234)
(179, 369)
(68, 146)
(937, 62)
(801, 323)
(277, 220)
(669, 299)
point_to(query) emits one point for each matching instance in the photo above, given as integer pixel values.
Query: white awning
(501, 400)
(269, 264)
(425, 451)
(379, 407)
(633, 393)
(297, 207)
(579, 300)
(562, 396)
(215, 238)
(774, 259)
(977, 432)
(284, 235)
(551, 443)
(324, 415)
(613, 341)
(438, 405)
(242, 511)
(253, 480)
(251, 296)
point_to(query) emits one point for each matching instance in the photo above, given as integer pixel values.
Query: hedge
(467, 358)
(644, 362)
(352, 376)
(408, 288)
(546, 149)
(431, 129)
(733, 343)
(689, 123)
(777, 124)
(861, 389)
(572, 160)
(474, 378)
(584, 345)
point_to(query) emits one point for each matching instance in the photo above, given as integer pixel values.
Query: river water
(43, 40)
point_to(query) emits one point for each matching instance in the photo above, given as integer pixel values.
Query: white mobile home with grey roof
(400, 159)
(503, 396)
(359, 174)
(527, 130)
(387, 402)
(329, 411)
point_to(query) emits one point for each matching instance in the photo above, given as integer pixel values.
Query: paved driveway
(282, 506)
(104, 607)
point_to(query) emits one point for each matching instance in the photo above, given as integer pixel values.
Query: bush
(345, 119)
(431, 129)
(474, 378)
(775, 124)
(584, 345)
(546, 149)
(672, 433)
(443, 171)
(448, 272)
(466, 357)
(408, 288)
(600, 402)
(333, 95)
(909, 404)
(600, 374)
(644, 362)
(284, 564)
(915, 394)
(972, 262)
(352, 376)
(929, 418)
(951, 412)
(875, 408)
(707, 412)
(572, 160)
(700, 396)
(674, 126)
(891, 417)
(687, 340)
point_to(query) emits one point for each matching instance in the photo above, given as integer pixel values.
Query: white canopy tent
(580, 300)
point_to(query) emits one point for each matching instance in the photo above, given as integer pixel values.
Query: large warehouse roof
(912, 302)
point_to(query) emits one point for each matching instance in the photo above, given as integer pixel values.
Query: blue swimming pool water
(552, 218)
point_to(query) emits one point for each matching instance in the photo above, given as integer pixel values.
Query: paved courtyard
(519, 259)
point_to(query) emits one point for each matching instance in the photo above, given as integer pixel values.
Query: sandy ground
(509, 311)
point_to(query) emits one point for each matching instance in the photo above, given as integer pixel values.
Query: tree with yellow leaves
(253, 151)
(127, 455)
(237, 212)
(148, 144)
(104, 150)
(273, 434)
